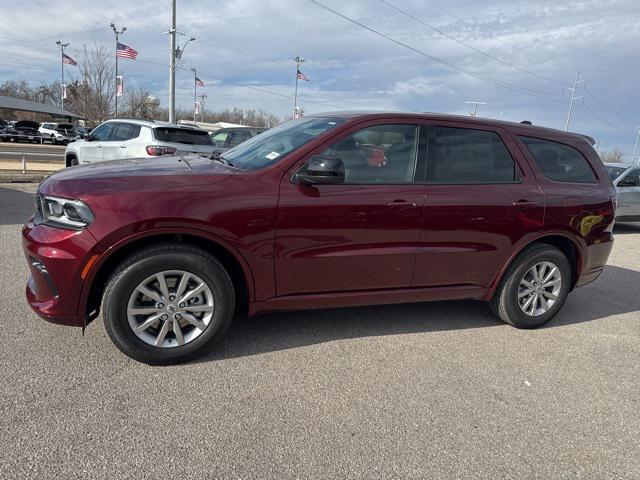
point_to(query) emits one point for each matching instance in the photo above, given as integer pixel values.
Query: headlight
(64, 213)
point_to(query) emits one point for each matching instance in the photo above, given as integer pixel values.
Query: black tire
(72, 161)
(505, 299)
(156, 259)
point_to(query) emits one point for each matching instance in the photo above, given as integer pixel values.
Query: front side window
(274, 144)
(467, 156)
(102, 132)
(559, 162)
(238, 137)
(615, 172)
(632, 179)
(378, 154)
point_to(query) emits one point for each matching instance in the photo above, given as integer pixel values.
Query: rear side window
(182, 135)
(125, 131)
(559, 162)
(464, 155)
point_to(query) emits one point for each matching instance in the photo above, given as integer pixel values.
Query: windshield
(615, 172)
(264, 149)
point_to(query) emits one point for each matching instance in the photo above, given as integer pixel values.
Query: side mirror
(321, 170)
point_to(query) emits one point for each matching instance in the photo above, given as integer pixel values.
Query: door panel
(629, 194)
(334, 238)
(480, 200)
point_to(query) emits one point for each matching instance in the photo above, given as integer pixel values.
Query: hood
(138, 174)
(27, 124)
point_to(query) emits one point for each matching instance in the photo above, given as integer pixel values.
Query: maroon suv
(331, 210)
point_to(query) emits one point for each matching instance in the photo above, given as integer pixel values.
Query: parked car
(330, 210)
(227, 138)
(56, 133)
(21, 131)
(80, 133)
(122, 139)
(626, 179)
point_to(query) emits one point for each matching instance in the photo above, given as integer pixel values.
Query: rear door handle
(525, 204)
(98, 146)
(401, 203)
(123, 146)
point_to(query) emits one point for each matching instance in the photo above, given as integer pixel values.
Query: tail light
(158, 150)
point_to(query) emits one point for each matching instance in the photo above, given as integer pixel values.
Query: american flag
(199, 82)
(124, 51)
(68, 60)
(301, 76)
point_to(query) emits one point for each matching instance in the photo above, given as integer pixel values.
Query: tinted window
(615, 172)
(271, 146)
(102, 132)
(182, 135)
(378, 154)
(220, 137)
(239, 136)
(559, 162)
(462, 155)
(632, 179)
(125, 131)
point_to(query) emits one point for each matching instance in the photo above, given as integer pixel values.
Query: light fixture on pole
(118, 33)
(63, 88)
(635, 148)
(475, 108)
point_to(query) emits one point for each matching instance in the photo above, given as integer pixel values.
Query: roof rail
(526, 122)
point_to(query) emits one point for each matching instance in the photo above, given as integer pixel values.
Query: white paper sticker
(272, 155)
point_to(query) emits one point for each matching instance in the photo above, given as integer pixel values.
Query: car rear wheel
(534, 287)
(168, 304)
(72, 161)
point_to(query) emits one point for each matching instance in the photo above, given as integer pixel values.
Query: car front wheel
(534, 287)
(168, 304)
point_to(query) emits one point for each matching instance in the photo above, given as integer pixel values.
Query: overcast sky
(244, 51)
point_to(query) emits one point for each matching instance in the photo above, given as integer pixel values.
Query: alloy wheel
(539, 289)
(170, 308)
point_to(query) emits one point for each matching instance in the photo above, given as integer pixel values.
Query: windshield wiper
(217, 157)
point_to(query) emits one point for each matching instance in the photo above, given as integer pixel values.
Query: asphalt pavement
(434, 390)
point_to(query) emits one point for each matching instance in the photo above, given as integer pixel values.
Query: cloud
(244, 52)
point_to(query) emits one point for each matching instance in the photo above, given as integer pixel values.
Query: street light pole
(62, 92)
(118, 33)
(172, 65)
(576, 83)
(298, 61)
(195, 93)
(635, 148)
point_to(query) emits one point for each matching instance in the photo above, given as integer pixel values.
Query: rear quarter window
(182, 135)
(559, 162)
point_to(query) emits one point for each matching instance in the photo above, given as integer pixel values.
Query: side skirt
(375, 297)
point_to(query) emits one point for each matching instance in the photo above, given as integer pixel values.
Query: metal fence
(23, 155)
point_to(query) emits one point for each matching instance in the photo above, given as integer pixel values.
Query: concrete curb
(18, 177)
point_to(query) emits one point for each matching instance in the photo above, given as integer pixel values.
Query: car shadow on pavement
(615, 292)
(625, 228)
(16, 206)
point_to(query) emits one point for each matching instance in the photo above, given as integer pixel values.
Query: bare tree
(92, 95)
(139, 103)
(614, 156)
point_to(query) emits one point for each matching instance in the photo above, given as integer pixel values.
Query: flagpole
(298, 61)
(195, 93)
(62, 46)
(118, 33)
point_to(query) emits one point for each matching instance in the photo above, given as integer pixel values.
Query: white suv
(120, 139)
(55, 132)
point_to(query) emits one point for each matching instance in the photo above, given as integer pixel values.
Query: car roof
(619, 164)
(153, 123)
(519, 128)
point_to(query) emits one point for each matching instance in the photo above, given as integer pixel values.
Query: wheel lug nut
(172, 297)
(164, 317)
(177, 316)
(182, 305)
(160, 305)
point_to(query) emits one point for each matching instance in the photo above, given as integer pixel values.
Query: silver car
(626, 179)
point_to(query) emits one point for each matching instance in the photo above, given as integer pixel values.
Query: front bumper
(56, 258)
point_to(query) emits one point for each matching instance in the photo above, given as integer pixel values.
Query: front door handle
(525, 204)
(401, 203)
(123, 146)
